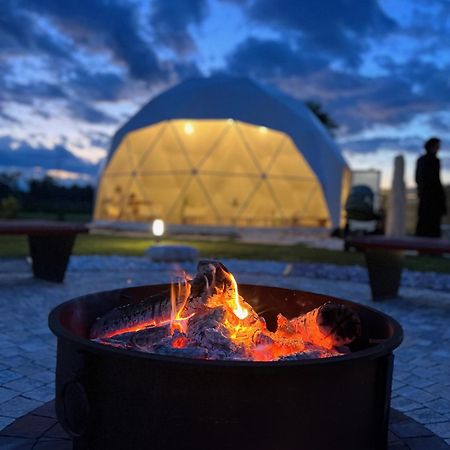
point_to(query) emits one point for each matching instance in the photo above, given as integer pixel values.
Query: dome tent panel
(230, 156)
(193, 206)
(229, 193)
(199, 137)
(163, 191)
(121, 163)
(111, 196)
(262, 208)
(301, 200)
(265, 144)
(289, 162)
(166, 155)
(141, 142)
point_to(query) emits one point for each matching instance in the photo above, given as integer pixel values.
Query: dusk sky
(73, 71)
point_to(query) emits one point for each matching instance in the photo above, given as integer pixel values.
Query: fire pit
(116, 398)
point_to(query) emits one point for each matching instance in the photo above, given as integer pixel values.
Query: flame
(177, 321)
(238, 310)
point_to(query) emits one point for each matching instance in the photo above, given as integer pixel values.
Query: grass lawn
(13, 246)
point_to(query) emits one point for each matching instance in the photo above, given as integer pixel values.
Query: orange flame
(238, 309)
(177, 321)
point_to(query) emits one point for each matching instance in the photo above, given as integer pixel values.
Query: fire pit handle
(75, 407)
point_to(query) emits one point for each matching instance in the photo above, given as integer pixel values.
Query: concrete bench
(50, 244)
(384, 259)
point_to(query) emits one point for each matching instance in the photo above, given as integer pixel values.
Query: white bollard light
(158, 227)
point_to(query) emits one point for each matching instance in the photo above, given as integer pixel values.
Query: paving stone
(14, 443)
(24, 384)
(6, 394)
(9, 375)
(407, 429)
(419, 382)
(42, 394)
(415, 394)
(440, 405)
(18, 406)
(16, 360)
(426, 443)
(46, 376)
(441, 429)
(26, 369)
(405, 404)
(10, 352)
(46, 410)
(5, 421)
(427, 416)
(29, 426)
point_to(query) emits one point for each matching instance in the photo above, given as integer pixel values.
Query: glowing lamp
(188, 128)
(158, 227)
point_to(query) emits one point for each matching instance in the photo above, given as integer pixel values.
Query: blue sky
(72, 71)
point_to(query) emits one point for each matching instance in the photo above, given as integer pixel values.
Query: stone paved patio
(27, 357)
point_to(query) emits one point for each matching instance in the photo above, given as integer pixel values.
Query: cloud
(337, 28)
(412, 144)
(104, 25)
(266, 58)
(83, 111)
(20, 33)
(170, 21)
(95, 85)
(21, 155)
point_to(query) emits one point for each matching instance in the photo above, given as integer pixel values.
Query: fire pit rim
(376, 351)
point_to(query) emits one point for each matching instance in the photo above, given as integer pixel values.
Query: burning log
(206, 318)
(329, 326)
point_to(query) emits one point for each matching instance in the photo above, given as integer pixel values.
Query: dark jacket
(429, 187)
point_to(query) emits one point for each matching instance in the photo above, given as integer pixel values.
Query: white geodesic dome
(223, 151)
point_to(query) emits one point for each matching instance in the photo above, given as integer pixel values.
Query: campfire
(206, 318)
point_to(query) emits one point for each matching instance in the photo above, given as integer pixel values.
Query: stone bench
(172, 253)
(384, 259)
(50, 244)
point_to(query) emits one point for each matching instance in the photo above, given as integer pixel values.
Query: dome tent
(223, 151)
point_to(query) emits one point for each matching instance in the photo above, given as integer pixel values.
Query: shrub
(9, 207)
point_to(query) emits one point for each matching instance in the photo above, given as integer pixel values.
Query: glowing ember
(207, 318)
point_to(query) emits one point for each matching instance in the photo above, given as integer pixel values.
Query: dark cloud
(264, 58)
(440, 123)
(107, 25)
(412, 144)
(28, 93)
(81, 110)
(20, 33)
(170, 21)
(101, 140)
(336, 28)
(24, 156)
(94, 86)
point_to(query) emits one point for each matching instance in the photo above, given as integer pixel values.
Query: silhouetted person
(431, 193)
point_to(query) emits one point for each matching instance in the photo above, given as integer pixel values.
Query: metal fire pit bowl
(110, 398)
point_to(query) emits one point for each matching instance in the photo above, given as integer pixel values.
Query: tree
(324, 117)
